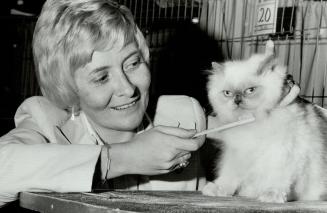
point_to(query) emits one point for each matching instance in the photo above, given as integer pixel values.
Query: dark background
(15, 56)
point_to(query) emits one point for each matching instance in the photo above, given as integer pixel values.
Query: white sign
(266, 14)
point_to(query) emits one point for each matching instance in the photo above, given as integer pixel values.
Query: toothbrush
(226, 126)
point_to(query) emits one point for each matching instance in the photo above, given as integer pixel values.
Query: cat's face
(238, 88)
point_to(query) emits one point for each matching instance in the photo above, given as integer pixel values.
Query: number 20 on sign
(266, 13)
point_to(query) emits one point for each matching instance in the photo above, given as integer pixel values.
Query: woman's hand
(156, 151)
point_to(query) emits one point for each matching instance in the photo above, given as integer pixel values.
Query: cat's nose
(237, 99)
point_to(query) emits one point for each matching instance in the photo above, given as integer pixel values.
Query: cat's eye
(249, 91)
(227, 93)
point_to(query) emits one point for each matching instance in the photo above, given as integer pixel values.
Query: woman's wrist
(105, 162)
(113, 161)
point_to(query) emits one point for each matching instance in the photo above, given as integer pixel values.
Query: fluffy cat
(282, 156)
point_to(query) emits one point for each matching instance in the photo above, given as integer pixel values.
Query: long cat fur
(279, 157)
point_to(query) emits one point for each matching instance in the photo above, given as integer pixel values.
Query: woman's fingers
(183, 138)
(161, 150)
(182, 153)
(176, 131)
(189, 144)
(183, 158)
(180, 162)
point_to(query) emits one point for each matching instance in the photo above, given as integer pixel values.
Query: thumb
(176, 131)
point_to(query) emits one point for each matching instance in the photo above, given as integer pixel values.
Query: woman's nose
(124, 87)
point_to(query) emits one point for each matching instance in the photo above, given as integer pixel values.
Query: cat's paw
(273, 196)
(212, 189)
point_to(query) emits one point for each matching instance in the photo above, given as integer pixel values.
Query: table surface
(155, 201)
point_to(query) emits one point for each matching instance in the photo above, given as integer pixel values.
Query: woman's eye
(249, 90)
(101, 79)
(133, 64)
(227, 93)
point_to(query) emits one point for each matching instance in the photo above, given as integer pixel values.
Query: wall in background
(300, 38)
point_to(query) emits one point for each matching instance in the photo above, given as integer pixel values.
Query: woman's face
(113, 88)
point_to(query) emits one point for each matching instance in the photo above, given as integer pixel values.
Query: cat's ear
(269, 64)
(269, 48)
(216, 66)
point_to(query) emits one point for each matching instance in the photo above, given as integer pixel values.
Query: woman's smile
(126, 106)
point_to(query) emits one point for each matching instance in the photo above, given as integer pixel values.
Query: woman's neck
(109, 136)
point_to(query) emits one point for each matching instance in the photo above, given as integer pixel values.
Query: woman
(92, 66)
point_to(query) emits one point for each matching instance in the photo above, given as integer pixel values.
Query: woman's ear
(270, 47)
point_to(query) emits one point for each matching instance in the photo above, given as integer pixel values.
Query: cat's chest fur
(282, 129)
(259, 133)
(257, 151)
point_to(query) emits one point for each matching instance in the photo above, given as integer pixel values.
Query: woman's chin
(129, 124)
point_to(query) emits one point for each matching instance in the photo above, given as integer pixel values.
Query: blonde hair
(66, 35)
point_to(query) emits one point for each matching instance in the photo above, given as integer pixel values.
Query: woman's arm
(40, 166)
(152, 152)
(29, 162)
(43, 167)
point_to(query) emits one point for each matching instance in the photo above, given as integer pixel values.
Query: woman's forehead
(112, 44)
(116, 54)
(116, 50)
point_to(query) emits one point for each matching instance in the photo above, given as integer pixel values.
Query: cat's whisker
(226, 126)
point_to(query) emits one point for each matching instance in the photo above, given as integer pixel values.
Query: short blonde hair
(66, 35)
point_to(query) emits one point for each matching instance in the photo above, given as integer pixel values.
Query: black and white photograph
(163, 106)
